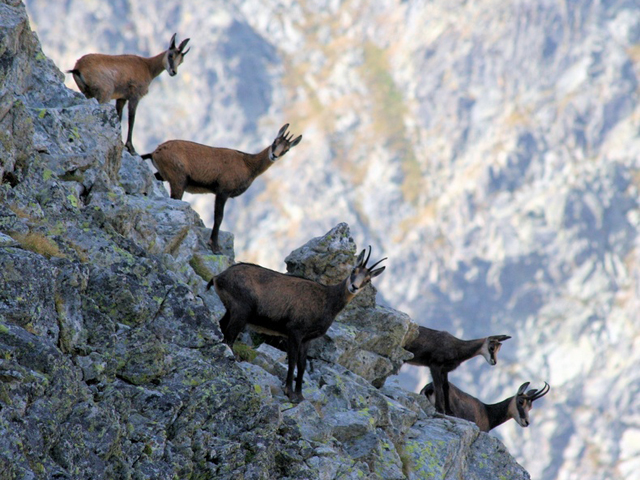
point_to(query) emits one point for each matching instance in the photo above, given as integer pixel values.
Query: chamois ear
(282, 130)
(499, 338)
(182, 45)
(172, 42)
(377, 272)
(523, 388)
(296, 141)
(360, 258)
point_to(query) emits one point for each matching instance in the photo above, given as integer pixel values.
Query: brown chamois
(284, 305)
(196, 168)
(443, 353)
(125, 78)
(489, 416)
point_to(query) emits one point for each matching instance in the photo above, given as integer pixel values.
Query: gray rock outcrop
(111, 360)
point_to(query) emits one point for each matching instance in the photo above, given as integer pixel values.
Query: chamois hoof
(295, 397)
(130, 149)
(215, 248)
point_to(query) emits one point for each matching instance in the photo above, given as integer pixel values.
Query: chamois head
(361, 274)
(491, 347)
(173, 56)
(523, 401)
(282, 143)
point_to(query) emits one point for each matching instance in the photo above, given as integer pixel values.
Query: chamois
(285, 305)
(443, 353)
(489, 416)
(196, 168)
(125, 78)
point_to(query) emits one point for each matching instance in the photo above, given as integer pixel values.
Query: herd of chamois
(271, 302)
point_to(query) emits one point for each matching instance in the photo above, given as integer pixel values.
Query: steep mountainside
(111, 360)
(488, 148)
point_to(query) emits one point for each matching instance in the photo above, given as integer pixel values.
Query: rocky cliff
(489, 148)
(111, 361)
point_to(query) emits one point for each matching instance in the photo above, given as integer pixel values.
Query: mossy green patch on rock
(38, 243)
(244, 352)
(73, 200)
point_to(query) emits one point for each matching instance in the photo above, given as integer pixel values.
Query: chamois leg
(224, 322)
(301, 365)
(445, 394)
(176, 185)
(217, 220)
(438, 381)
(234, 324)
(293, 350)
(119, 107)
(133, 105)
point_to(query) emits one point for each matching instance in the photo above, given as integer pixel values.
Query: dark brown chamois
(443, 353)
(196, 168)
(489, 416)
(284, 305)
(125, 78)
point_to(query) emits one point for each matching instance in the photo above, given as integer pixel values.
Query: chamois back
(196, 168)
(272, 295)
(206, 169)
(294, 307)
(488, 416)
(125, 78)
(443, 353)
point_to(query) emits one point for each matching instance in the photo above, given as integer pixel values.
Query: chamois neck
(258, 162)
(155, 64)
(470, 348)
(498, 413)
(339, 296)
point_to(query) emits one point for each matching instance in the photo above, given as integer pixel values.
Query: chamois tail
(149, 156)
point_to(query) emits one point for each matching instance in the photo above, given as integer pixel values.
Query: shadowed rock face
(111, 361)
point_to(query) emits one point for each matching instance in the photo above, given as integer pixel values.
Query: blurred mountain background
(489, 149)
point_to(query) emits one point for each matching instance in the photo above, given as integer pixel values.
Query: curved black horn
(543, 391)
(364, 264)
(374, 265)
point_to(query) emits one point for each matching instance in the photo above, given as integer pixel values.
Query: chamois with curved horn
(125, 78)
(443, 353)
(489, 416)
(196, 168)
(294, 307)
